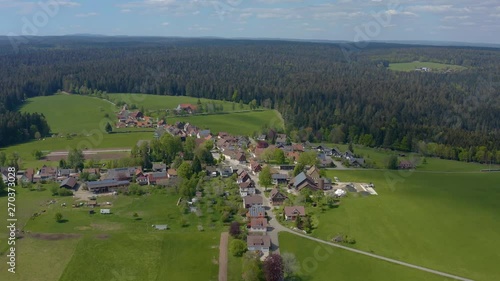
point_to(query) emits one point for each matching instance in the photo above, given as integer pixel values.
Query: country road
(277, 227)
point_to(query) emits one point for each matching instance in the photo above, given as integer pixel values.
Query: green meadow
(434, 66)
(103, 247)
(319, 262)
(445, 221)
(72, 114)
(155, 102)
(237, 123)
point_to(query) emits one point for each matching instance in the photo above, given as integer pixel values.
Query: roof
(253, 199)
(246, 184)
(172, 172)
(275, 192)
(299, 179)
(256, 211)
(258, 240)
(71, 182)
(258, 223)
(295, 210)
(106, 183)
(279, 176)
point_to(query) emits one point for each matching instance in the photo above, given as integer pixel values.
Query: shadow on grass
(62, 221)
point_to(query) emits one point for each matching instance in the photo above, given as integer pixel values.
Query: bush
(237, 248)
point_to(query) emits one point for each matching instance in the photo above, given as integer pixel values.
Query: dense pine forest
(325, 91)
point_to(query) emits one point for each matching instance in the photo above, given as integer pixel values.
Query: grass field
(72, 113)
(155, 102)
(244, 123)
(434, 66)
(318, 262)
(106, 247)
(445, 221)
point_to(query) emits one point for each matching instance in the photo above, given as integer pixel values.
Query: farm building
(106, 185)
(69, 183)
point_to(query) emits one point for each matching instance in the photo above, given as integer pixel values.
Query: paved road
(95, 151)
(277, 227)
(224, 237)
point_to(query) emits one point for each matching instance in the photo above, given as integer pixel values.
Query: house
(256, 212)
(22, 176)
(240, 157)
(291, 213)
(153, 178)
(336, 153)
(252, 200)
(302, 181)
(356, 162)
(226, 171)
(281, 139)
(247, 188)
(142, 180)
(211, 171)
(298, 147)
(159, 167)
(106, 211)
(258, 225)
(136, 115)
(243, 177)
(171, 173)
(69, 183)
(122, 174)
(279, 178)
(255, 167)
(186, 107)
(5, 174)
(92, 171)
(203, 134)
(406, 165)
(314, 173)
(106, 185)
(276, 197)
(261, 137)
(287, 167)
(260, 243)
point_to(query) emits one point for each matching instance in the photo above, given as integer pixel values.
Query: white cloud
(86, 15)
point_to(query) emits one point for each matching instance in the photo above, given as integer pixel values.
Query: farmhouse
(186, 108)
(302, 181)
(68, 183)
(291, 213)
(247, 188)
(159, 167)
(406, 165)
(279, 178)
(276, 197)
(258, 225)
(252, 200)
(106, 185)
(259, 243)
(256, 212)
(153, 178)
(255, 167)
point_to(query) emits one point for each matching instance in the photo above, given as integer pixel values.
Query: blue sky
(353, 20)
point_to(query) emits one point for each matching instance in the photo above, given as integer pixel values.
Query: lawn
(155, 102)
(445, 221)
(243, 123)
(73, 113)
(411, 66)
(322, 262)
(110, 246)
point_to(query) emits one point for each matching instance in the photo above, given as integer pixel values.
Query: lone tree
(234, 229)
(108, 128)
(237, 248)
(392, 162)
(273, 268)
(290, 264)
(265, 178)
(58, 217)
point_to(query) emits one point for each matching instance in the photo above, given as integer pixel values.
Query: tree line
(321, 95)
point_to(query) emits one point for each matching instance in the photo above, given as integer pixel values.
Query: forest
(325, 91)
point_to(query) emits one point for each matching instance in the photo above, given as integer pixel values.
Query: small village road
(223, 248)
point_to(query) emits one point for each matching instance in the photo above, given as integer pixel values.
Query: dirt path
(223, 248)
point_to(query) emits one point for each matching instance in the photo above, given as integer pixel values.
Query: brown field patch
(54, 236)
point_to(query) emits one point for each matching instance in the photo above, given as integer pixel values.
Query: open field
(444, 221)
(91, 247)
(322, 262)
(72, 113)
(434, 66)
(244, 123)
(96, 141)
(155, 102)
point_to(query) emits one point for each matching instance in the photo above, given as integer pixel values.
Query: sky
(353, 20)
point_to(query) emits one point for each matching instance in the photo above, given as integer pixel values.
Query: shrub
(237, 248)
